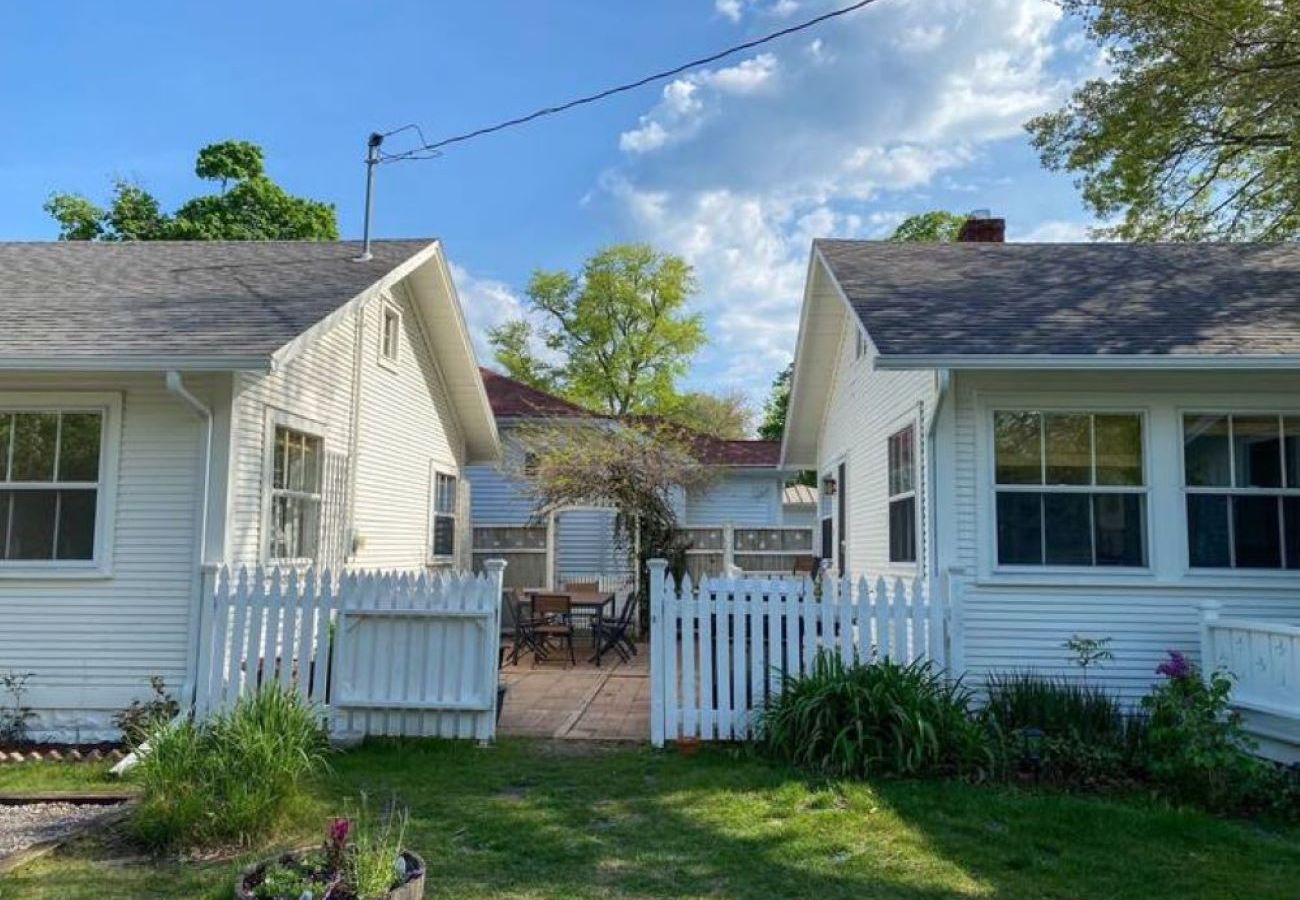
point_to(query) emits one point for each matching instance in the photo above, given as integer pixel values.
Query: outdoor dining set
(547, 622)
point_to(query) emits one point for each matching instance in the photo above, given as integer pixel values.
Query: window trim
(436, 469)
(278, 418)
(388, 309)
(1182, 411)
(914, 494)
(986, 406)
(109, 405)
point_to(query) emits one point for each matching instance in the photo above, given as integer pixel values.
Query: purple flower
(1176, 667)
(338, 831)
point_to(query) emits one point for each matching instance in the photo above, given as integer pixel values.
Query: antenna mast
(372, 160)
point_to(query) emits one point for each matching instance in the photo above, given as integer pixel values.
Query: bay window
(1069, 488)
(50, 484)
(1241, 478)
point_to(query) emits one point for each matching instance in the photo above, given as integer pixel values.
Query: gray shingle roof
(1072, 299)
(219, 299)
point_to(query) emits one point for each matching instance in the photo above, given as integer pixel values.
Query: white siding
(1018, 621)
(799, 516)
(866, 406)
(407, 429)
(93, 643)
(497, 497)
(404, 428)
(738, 499)
(584, 545)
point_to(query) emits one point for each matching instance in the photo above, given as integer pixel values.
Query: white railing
(384, 653)
(1263, 657)
(722, 649)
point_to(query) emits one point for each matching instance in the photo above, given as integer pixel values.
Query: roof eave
(255, 363)
(1099, 362)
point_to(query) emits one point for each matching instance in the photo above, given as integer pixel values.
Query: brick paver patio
(548, 699)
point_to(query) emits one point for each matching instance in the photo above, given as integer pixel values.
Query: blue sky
(906, 106)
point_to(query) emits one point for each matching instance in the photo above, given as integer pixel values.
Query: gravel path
(22, 826)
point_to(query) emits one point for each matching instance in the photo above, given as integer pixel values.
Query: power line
(428, 150)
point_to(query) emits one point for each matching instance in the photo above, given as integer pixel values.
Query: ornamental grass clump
(231, 779)
(876, 718)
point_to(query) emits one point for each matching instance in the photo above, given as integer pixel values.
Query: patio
(582, 702)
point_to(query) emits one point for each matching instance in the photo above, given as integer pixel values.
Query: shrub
(232, 778)
(876, 718)
(15, 714)
(140, 720)
(1200, 754)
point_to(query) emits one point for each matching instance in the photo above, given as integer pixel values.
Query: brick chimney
(981, 227)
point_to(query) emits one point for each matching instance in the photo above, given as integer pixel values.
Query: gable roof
(513, 399)
(941, 301)
(184, 304)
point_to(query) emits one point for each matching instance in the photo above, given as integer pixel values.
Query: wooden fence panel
(721, 650)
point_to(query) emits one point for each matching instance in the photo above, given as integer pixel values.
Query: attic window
(859, 344)
(389, 334)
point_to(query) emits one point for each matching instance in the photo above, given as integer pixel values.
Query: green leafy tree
(725, 415)
(777, 406)
(929, 227)
(1195, 135)
(255, 208)
(620, 328)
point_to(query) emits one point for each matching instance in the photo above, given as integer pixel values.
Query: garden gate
(384, 653)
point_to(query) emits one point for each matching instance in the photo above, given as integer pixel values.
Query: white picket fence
(722, 649)
(1263, 657)
(382, 653)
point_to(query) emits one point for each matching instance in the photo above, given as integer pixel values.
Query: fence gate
(720, 650)
(384, 653)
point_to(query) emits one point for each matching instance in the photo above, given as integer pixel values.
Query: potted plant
(359, 860)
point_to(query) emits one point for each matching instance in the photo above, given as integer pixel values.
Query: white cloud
(739, 168)
(1055, 232)
(488, 303)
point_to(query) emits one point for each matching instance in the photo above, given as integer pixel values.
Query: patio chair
(613, 634)
(552, 620)
(522, 630)
(582, 587)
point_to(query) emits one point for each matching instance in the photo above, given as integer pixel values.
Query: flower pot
(411, 889)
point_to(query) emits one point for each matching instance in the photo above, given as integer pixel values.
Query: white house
(166, 407)
(737, 519)
(1085, 438)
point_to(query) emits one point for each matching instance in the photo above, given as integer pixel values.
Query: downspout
(176, 387)
(942, 384)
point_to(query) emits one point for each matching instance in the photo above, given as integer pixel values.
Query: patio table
(584, 603)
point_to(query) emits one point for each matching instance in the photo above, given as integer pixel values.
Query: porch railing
(1263, 657)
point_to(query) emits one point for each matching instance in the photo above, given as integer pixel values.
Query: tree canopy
(250, 207)
(772, 428)
(929, 227)
(725, 415)
(1195, 133)
(620, 330)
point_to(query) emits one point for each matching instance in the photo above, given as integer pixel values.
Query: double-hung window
(1242, 480)
(50, 483)
(902, 495)
(295, 495)
(443, 527)
(1069, 489)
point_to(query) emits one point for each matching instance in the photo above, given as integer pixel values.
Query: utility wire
(428, 150)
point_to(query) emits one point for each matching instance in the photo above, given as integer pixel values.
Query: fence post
(658, 585)
(198, 691)
(728, 549)
(954, 601)
(496, 576)
(1209, 619)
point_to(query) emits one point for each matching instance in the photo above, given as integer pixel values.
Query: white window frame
(390, 312)
(987, 489)
(436, 470)
(909, 424)
(109, 405)
(275, 419)
(1231, 490)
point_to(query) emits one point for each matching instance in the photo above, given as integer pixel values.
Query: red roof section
(511, 399)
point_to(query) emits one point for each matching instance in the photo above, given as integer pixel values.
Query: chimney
(981, 227)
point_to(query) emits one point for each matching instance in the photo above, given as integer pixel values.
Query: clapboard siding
(94, 642)
(866, 406)
(407, 428)
(498, 497)
(584, 544)
(739, 499)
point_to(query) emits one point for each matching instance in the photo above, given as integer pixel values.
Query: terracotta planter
(412, 889)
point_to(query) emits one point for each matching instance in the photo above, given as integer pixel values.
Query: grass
(86, 778)
(539, 820)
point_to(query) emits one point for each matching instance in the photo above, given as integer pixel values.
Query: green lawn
(554, 820)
